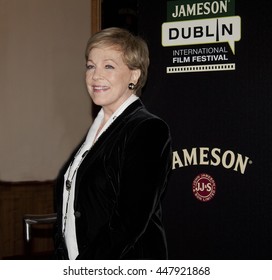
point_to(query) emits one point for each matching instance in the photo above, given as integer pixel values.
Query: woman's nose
(97, 74)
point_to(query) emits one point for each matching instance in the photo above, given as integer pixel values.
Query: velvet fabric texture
(119, 188)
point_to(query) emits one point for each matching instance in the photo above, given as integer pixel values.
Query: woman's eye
(89, 66)
(108, 66)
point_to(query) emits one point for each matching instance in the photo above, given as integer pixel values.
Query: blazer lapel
(105, 139)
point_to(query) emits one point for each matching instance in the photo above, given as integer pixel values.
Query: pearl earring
(131, 86)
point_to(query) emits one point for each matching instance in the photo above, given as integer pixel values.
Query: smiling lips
(100, 88)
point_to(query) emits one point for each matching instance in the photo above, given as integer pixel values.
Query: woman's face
(107, 78)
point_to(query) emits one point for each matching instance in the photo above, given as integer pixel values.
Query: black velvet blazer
(119, 188)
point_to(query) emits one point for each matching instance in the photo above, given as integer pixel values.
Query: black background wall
(229, 111)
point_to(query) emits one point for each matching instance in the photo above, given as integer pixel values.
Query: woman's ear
(135, 76)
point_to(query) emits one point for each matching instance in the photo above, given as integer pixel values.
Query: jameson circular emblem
(204, 187)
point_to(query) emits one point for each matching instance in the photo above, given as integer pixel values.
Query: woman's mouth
(100, 88)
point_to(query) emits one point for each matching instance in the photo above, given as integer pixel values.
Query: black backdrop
(228, 110)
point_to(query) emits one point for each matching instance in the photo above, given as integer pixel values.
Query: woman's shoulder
(137, 112)
(146, 122)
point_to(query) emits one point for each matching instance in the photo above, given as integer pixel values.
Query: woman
(110, 191)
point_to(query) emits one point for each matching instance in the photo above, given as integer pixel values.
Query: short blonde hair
(134, 49)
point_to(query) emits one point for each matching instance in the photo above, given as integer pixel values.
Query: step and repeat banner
(210, 79)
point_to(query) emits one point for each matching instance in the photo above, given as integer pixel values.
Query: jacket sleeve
(145, 166)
